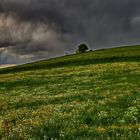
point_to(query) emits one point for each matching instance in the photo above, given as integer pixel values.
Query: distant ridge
(7, 65)
(118, 54)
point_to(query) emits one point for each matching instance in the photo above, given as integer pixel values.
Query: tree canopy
(82, 48)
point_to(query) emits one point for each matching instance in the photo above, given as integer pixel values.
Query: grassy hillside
(88, 96)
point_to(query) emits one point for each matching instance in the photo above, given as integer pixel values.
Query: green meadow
(90, 96)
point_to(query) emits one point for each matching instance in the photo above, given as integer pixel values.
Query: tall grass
(83, 99)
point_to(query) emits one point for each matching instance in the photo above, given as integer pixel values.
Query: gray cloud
(38, 29)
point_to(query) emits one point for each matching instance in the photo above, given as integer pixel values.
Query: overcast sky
(38, 29)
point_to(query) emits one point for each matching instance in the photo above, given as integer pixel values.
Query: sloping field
(88, 96)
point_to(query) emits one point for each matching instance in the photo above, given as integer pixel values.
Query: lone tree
(82, 48)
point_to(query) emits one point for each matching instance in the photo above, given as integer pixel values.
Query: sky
(31, 30)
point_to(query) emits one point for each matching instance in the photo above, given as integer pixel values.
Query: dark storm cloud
(53, 27)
